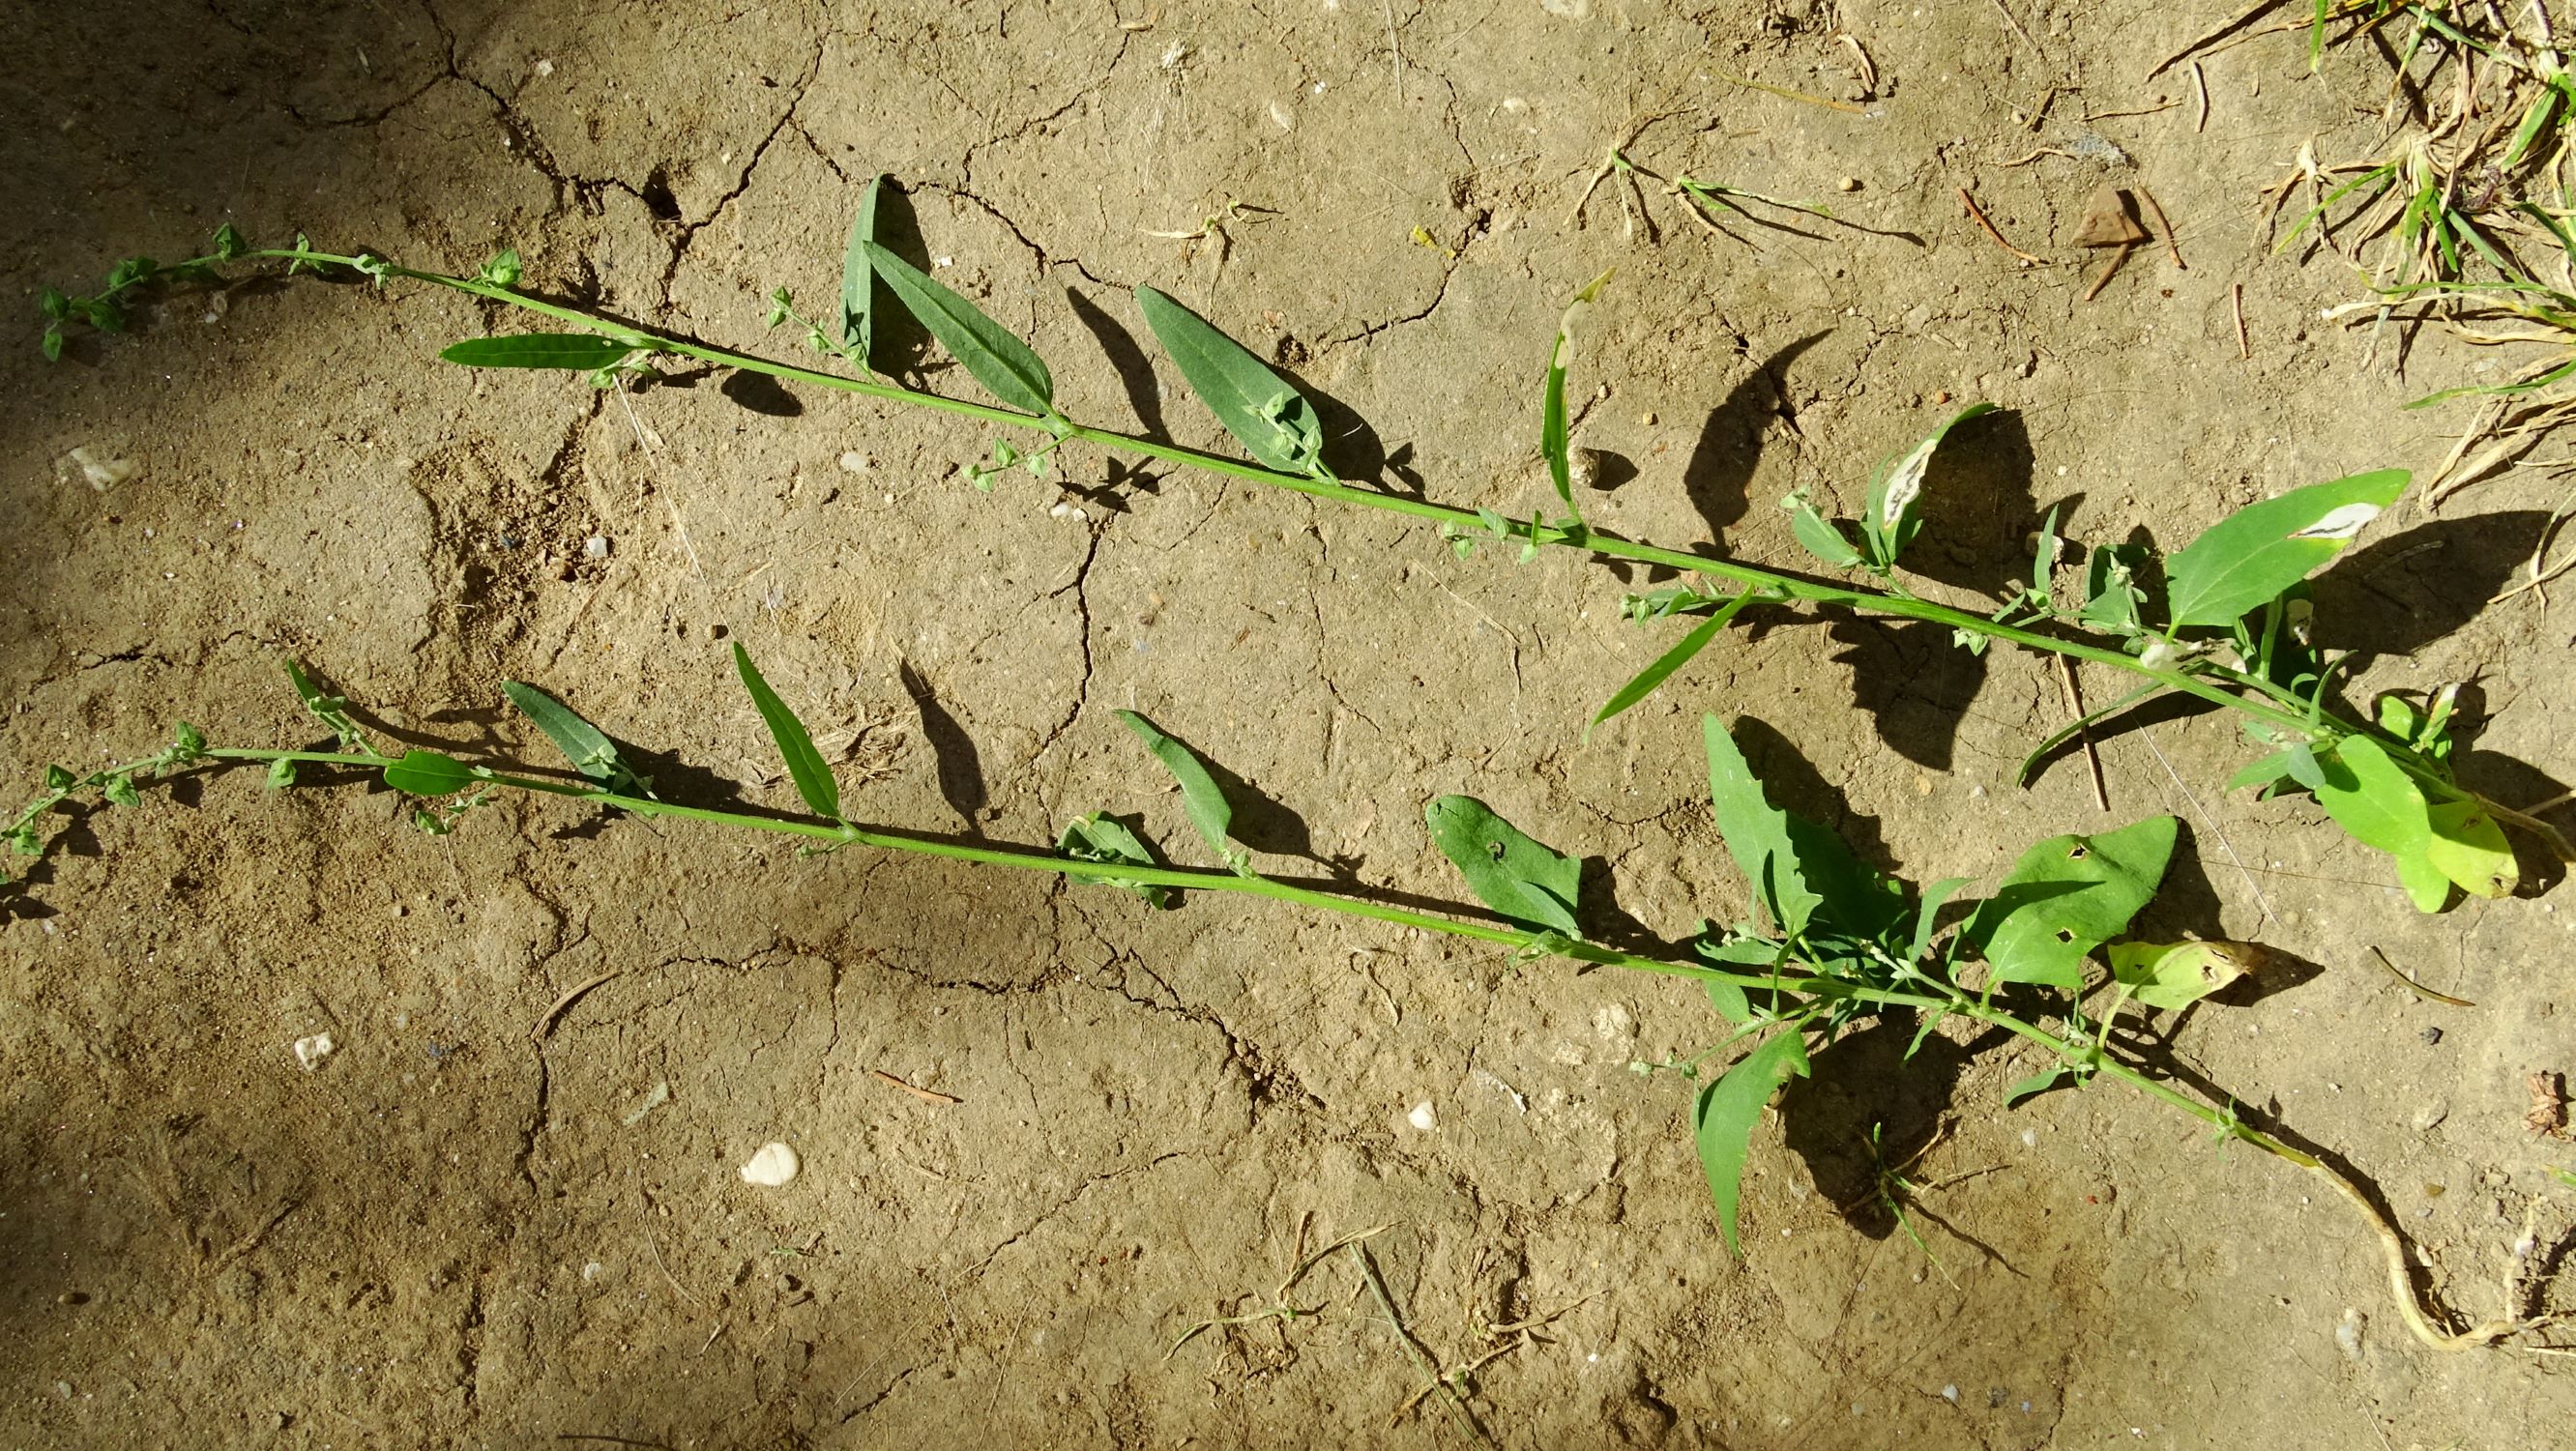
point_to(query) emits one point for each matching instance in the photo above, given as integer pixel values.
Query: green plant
(2460, 215)
(1834, 943)
(2231, 632)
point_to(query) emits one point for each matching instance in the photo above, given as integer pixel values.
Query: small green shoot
(1555, 438)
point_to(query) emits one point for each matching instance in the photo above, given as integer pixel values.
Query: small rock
(2431, 1113)
(1848, 183)
(2349, 1331)
(595, 547)
(1421, 1116)
(774, 1165)
(2431, 1036)
(309, 1052)
(101, 469)
(854, 462)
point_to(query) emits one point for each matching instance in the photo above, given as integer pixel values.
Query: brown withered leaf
(2110, 220)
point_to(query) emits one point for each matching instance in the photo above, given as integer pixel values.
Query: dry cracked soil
(489, 1218)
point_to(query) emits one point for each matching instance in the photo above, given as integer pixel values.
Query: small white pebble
(1421, 1117)
(545, 68)
(2030, 1138)
(1279, 116)
(103, 470)
(595, 547)
(854, 462)
(311, 1051)
(774, 1165)
(1848, 183)
(591, 1272)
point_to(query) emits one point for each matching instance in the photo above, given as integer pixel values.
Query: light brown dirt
(452, 1234)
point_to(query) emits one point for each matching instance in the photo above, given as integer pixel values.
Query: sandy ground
(473, 1225)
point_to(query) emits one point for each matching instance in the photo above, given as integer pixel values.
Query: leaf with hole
(2066, 896)
(2173, 975)
(1723, 1119)
(858, 277)
(1274, 422)
(1555, 437)
(1000, 361)
(1507, 869)
(1665, 664)
(580, 352)
(428, 773)
(1201, 800)
(805, 765)
(2248, 558)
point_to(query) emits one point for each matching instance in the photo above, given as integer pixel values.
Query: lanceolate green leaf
(1757, 834)
(999, 361)
(589, 749)
(428, 773)
(1896, 495)
(804, 763)
(1727, 1110)
(1201, 801)
(581, 352)
(1554, 433)
(1508, 871)
(1270, 418)
(1671, 660)
(2066, 896)
(858, 278)
(2248, 558)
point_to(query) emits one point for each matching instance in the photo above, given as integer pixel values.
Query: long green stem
(1796, 999)
(1783, 585)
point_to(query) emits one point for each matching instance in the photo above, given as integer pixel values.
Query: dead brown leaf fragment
(2110, 220)
(2548, 1116)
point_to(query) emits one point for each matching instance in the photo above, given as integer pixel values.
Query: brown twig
(546, 1024)
(2245, 16)
(2093, 116)
(2172, 247)
(2075, 707)
(2117, 257)
(2034, 156)
(2200, 83)
(2417, 988)
(2015, 22)
(926, 1095)
(2236, 301)
(1979, 213)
